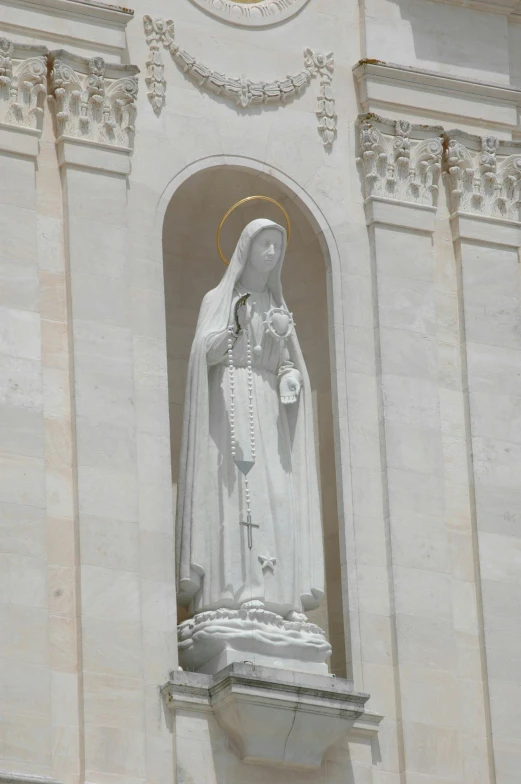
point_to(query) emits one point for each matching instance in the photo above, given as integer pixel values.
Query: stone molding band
(400, 161)
(243, 93)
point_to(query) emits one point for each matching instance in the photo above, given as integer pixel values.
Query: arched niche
(192, 267)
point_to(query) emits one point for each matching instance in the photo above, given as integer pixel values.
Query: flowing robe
(215, 566)
(269, 571)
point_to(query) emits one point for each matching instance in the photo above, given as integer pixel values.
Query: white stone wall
(423, 309)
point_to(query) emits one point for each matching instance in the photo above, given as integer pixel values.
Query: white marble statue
(249, 538)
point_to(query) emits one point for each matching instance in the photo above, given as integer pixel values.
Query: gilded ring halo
(243, 201)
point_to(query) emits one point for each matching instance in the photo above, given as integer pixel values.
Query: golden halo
(238, 204)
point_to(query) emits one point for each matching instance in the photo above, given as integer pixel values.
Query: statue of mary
(249, 538)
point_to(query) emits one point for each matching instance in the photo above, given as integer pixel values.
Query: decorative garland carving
(94, 101)
(479, 185)
(155, 79)
(323, 65)
(395, 164)
(257, 13)
(245, 93)
(22, 84)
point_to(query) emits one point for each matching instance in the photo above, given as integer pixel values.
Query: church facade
(384, 136)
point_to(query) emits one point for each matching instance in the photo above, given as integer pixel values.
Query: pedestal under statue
(249, 536)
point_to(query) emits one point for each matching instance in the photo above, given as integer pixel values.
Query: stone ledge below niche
(273, 716)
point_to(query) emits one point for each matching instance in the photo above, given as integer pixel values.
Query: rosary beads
(244, 466)
(231, 376)
(250, 393)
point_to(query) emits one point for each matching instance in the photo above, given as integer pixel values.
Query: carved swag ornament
(242, 92)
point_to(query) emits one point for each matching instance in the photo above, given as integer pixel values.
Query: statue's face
(266, 250)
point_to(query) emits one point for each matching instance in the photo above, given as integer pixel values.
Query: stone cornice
(401, 89)
(400, 161)
(435, 79)
(112, 14)
(506, 7)
(94, 100)
(86, 26)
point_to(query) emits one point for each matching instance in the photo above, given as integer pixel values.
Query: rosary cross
(249, 526)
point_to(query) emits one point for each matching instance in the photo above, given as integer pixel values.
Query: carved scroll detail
(92, 103)
(245, 92)
(396, 165)
(23, 83)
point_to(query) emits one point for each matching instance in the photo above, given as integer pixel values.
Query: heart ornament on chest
(279, 323)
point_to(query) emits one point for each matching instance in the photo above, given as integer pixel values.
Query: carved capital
(94, 100)
(23, 84)
(484, 175)
(399, 160)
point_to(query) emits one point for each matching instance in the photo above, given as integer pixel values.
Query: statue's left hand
(289, 388)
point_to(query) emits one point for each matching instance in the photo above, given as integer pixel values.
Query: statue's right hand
(241, 313)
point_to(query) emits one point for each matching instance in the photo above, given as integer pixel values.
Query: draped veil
(192, 542)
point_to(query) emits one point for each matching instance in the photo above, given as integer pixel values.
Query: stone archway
(192, 267)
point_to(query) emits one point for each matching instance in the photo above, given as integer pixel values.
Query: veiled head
(259, 254)
(266, 249)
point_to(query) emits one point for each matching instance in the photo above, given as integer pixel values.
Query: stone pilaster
(410, 553)
(25, 672)
(484, 177)
(93, 106)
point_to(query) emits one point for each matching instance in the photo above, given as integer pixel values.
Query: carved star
(267, 562)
